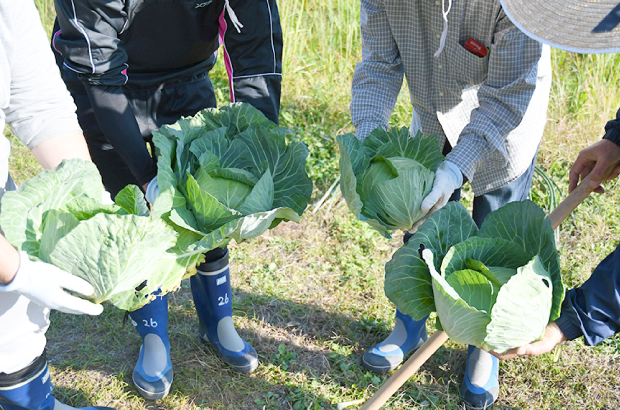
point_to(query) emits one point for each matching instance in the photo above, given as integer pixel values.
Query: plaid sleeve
(378, 77)
(504, 98)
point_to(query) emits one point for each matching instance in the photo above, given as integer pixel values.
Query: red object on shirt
(476, 48)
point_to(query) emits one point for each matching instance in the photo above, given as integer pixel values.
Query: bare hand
(553, 336)
(595, 160)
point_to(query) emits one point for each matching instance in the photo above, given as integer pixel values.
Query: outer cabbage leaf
(529, 292)
(86, 208)
(526, 224)
(114, 253)
(132, 201)
(353, 157)
(408, 282)
(169, 196)
(268, 150)
(241, 229)
(23, 210)
(490, 251)
(397, 142)
(56, 225)
(236, 118)
(460, 321)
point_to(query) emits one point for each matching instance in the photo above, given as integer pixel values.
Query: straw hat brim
(567, 24)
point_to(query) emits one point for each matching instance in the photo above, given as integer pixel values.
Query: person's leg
(212, 294)
(480, 385)
(31, 389)
(153, 372)
(183, 99)
(406, 337)
(115, 173)
(211, 287)
(155, 106)
(517, 190)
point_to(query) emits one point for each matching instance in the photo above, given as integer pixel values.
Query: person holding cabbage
(591, 310)
(479, 84)
(35, 102)
(132, 67)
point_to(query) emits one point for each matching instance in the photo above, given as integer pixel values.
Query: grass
(309, 297)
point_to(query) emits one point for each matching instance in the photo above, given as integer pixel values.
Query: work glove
(48, 286)
(152, 190)
(106, 198)
(448, 178)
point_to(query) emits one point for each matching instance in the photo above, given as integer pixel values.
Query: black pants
(153, 106)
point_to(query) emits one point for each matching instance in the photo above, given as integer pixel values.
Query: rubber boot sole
(151, 396)
(249, 368)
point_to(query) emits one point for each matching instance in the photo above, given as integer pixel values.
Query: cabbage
(498, 287)
(57, 217)
(385, 178)
(229, 173)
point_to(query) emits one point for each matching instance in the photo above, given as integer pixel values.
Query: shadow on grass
(310, 359)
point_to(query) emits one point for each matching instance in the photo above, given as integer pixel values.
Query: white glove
(106, 198)
(47, 286)
(152, 190)
(448, 178)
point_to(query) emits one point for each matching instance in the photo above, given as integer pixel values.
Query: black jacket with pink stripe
(116, 44)
(111, 42)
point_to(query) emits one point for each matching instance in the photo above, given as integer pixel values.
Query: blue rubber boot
(33, 391)
(213, 300)
(153, 373)
(480, 386)
(407, 336)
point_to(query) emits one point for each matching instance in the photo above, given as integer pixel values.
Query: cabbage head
(497, 288)
(385, 178)
(229, 173)
(58, 217)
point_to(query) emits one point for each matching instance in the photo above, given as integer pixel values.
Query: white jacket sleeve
(39, 105)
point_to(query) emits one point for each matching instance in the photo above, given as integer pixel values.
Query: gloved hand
(47, 285)
(448, 178)
(152, 190)
(106, 198)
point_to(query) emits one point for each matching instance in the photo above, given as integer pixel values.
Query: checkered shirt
(492, 110)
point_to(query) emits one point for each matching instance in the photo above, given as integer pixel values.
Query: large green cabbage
(57, 217)
(385, 178)
(498, 287)
(229, 174)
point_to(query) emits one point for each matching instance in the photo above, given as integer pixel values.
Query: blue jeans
(517, 190)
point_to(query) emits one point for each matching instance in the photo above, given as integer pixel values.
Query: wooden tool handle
(568, 205)
(406, 371)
